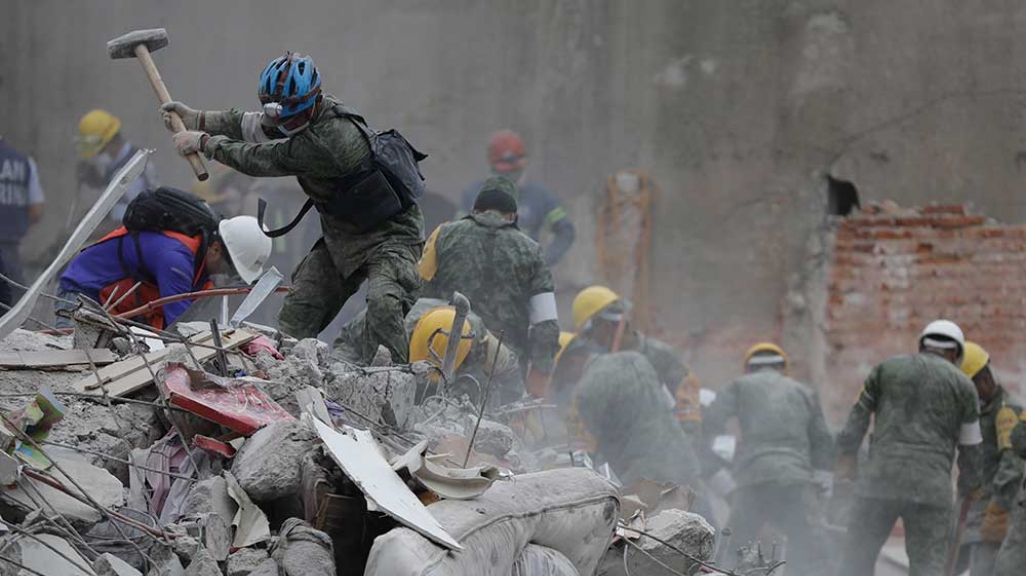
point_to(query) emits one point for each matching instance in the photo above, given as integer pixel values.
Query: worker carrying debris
(602, 324)
(486, 257)
(372, 227)
(104, 150)
(1012, 555)
(785, 455)
(923, 408)
(625, 409)
(537, 208)
(170, 243)
(429, 324)
(1001, 469)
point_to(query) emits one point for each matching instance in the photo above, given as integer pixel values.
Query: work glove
(189, 141)
(190, 117)
(824, 482)
(995, 524)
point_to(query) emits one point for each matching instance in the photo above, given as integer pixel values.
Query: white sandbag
(573, 511)
(541, 561)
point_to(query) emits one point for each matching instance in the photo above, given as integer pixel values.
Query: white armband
(252, 129)
(970, 434)
(542, 308)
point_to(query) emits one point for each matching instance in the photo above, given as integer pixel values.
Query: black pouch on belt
(365, 204)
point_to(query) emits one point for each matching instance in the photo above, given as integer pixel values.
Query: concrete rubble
(273, 487)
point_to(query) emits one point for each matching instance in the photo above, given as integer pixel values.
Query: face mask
(102, 161)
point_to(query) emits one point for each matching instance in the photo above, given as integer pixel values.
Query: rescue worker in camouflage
(331, 159)
(1001, 468)
(598, 313)
(625, 408)
(1011, 558)
(923, 408)
(480, 360)
(784, 457)
(487, 258)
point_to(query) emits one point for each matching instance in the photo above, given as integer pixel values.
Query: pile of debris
(208, 451)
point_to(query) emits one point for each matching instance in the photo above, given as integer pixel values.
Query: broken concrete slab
(492, 438)
(42, 556)
(245, 561)
(684, 530)
(100, 484)
(381, 394)
(268, 567)
(203, 564)
(268, 465)
(210, 496)
(302, 550)
(108, 564)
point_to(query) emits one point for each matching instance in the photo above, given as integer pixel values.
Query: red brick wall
(893, 271)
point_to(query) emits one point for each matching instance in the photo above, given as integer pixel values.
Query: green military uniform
(503, 273)
(1011, 558)
(1001, 473)
(507, 380)
(921, 406)
(624, 407)
(784, 438)
(330, 150)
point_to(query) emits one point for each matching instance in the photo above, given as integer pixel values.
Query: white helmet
(945, 329)
(247, 245)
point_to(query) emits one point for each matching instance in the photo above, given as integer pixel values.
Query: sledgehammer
(139, 44)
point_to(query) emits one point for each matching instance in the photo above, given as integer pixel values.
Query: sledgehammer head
(124, 46)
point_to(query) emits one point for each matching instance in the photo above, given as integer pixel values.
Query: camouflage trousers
(791, 508)
(1011, 559)
(927, 535)
(319, 291)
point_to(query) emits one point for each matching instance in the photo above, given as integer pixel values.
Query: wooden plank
(125, 377)
(56, 358)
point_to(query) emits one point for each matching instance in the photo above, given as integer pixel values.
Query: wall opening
(842, 197)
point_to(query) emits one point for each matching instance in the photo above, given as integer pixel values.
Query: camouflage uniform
(501, 271)
(920, 404)
(1011, 558)
(784, 437)
(1001, 472)
(507, 383)
(621, 403)
(331, 149)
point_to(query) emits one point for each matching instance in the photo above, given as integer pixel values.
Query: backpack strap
(262, 207)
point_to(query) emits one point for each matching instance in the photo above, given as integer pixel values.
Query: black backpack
(389, 182)
(169, 209)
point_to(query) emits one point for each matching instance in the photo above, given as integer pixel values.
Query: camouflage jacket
(784, 436)
(624, 407)
(919, 404)
(331, 149)
(479, 362)
(502, 272)
(1001, 469)
(1018, 439)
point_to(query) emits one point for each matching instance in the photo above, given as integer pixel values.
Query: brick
(958, 209)
(959, 221)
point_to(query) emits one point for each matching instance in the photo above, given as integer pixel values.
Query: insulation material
(573, 511)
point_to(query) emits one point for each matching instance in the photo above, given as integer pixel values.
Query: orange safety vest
(147, 291)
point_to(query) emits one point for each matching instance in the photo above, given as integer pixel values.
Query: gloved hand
(824, 482)
(995, 524)
(189, 116)
(189, 141)
(844, 470)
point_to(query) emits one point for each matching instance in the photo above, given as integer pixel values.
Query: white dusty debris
(268, 465)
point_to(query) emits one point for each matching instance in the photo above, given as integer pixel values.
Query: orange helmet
(506, 151)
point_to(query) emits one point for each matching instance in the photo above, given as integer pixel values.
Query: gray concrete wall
(737, 108)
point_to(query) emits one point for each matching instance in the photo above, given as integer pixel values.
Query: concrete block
(268, 465)
(246, 561)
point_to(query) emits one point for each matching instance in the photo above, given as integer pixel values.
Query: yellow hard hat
(590, 302)
(95, 130)
(764, 347)
(974, 359)
(432, 333)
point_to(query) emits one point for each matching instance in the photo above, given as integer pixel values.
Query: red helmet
(506, 151)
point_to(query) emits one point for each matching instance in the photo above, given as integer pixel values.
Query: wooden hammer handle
(143, 54)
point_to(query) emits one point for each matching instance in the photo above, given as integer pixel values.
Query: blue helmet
(292, 81)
